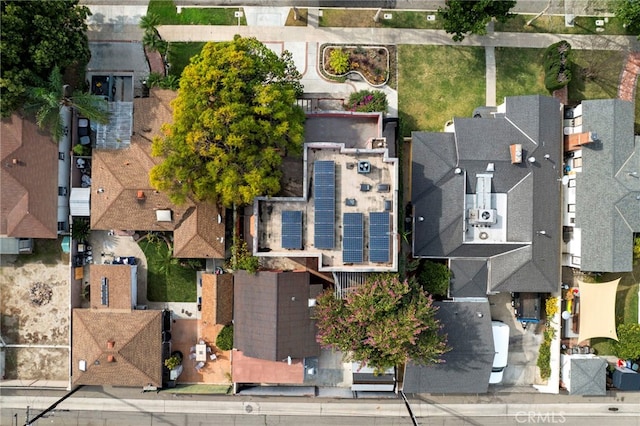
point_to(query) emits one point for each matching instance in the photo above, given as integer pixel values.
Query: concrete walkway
(311, 37)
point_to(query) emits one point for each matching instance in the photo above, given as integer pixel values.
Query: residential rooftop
(348, 193)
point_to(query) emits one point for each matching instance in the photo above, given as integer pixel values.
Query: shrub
(224, 341)
(434, 278)
(339, 61)
(551, 307)
(82, 150)
(557, 65)
(243, 259)
(628, 344)
(367, 101)
(80, 229)
(544, 359)
(172, 362)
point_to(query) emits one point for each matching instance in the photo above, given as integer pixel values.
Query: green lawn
(180, 54)
(352, 18)
(519, 72)
(555, 24)
(596, 74)
(200, 389)
(168, 14)
(436, 83)
(167, 280)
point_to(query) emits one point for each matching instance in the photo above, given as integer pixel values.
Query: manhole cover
(40, 294)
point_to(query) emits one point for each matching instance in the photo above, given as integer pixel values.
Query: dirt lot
(34, 309)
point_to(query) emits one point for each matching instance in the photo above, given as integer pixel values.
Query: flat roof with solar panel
(324, 193)
(292, 229)
(330, 218)
(352, 238)
(379, 236)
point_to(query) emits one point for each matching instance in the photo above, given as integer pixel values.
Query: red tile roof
(28, 181)
(254, 370)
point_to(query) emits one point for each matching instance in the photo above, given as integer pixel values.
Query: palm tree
(47, 101)
(149, 22)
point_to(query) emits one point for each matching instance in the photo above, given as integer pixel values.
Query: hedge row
(557, 65)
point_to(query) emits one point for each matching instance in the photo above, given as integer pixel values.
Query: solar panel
(379, 237)
(292, 229)
(104, 291)
(324, 193)
(352, 238)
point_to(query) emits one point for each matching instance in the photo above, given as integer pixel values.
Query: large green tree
(463, 17)
(35, 37)
(234, 118)
(382, 323)
(629, 12)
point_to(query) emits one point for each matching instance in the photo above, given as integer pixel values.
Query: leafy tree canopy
(629, 12)
(234, 118)
(462, 17)
(36, 36)
(382, 324)
(46, 101)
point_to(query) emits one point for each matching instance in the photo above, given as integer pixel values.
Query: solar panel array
(292, 229)
(324, 192)
(352, 238)
(379, 236)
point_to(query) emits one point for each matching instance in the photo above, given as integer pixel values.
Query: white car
(501, 345)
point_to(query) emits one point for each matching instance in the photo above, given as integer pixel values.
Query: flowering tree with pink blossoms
(381, 324)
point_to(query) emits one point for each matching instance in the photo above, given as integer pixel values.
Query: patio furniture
(213, 357)
(192, 356)
(208, 349)
(199, 366)
(193, 349)
(201, 352)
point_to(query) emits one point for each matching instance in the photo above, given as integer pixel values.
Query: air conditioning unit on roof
(483, 217)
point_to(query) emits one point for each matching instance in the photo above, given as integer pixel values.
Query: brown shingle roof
(119, 175)
(217, 298)
(272, 318)
(136, 352)
(119, 283)
(200, 235)
(29, 195)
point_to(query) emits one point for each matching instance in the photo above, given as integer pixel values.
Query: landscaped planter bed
(371, 63)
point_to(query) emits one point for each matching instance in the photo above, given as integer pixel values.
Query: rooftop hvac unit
(364, 167)
(483, 217)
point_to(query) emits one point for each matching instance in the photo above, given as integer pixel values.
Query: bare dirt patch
(34, 310)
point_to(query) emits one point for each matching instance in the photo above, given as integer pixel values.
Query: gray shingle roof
(528, 260)
(467, 366)
(469, 278)
(272, 319)
(607, 208)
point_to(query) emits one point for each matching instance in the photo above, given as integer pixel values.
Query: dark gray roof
(468, 278)
(467, 366)
(607, 205)
(527, 261)
(588, 376)
(272, 318)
